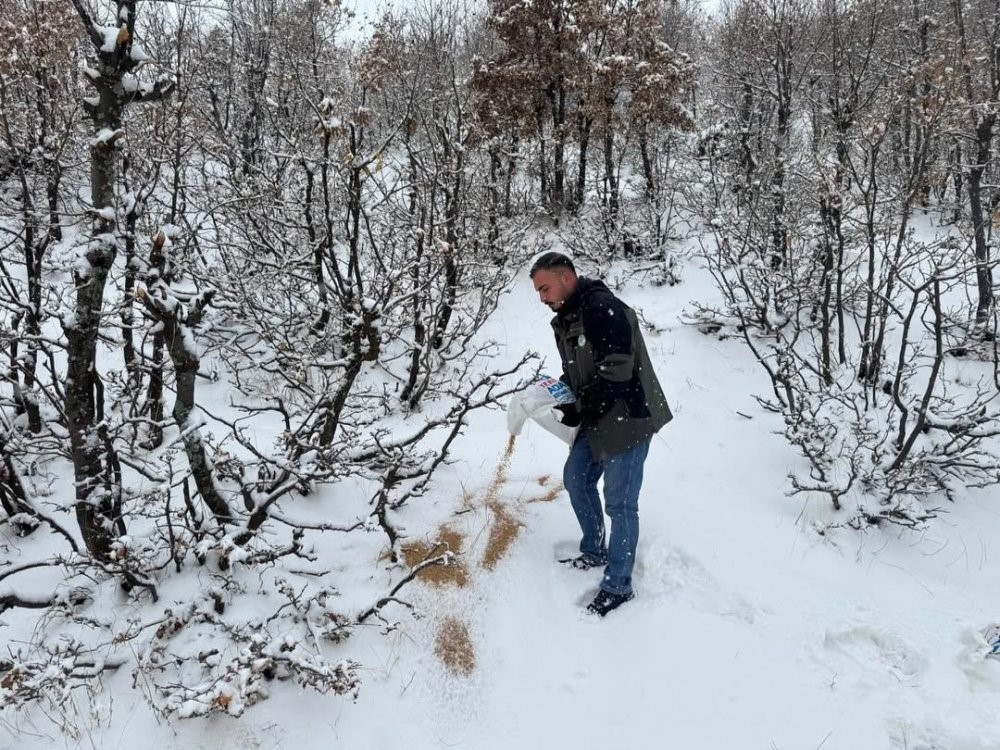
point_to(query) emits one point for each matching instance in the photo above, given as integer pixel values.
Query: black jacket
(606, 364)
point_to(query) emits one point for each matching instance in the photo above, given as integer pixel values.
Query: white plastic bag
(537, 403)
(992, 636)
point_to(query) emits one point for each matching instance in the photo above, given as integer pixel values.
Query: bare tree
(117, 84)
(977, 42)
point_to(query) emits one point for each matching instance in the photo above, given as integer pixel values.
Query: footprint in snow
(664, 571)
(936, 735)
(875, 650)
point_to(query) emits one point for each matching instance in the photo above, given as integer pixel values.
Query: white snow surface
(110, 34)
(104, 135)
(750, 629)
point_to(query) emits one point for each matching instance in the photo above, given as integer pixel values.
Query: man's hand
(571, 416)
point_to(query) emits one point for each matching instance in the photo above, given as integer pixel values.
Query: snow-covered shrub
(259, 325)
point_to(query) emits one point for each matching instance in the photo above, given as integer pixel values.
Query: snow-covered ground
(751, 629)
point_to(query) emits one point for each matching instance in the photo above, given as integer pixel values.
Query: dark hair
(550, 260)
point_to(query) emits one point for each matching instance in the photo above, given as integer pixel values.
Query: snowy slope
(750, 628)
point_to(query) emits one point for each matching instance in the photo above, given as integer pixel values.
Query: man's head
(554, 278)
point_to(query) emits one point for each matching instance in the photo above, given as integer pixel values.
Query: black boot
(605, 601)
(583, 562)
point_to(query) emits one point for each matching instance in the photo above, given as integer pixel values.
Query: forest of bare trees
(247, 248)
(851, 194)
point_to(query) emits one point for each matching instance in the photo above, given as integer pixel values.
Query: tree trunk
(95, 464)
(508, 177)
(128, 313)
(543, 167)
(452, 210)
(979, 217)
(13, 498)
(557, 103)
(779, 231)
(154, 392)
(585, 125)
(493, 236)
(867, 370)
(319, 325)
(982, 122)
(186, 361)
(647, 165)
(410, 393)
(957, 181)
(610, 173)
(91, 465)
(365, 346)
(34, 251)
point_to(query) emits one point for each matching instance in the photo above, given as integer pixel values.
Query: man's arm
(610, 334)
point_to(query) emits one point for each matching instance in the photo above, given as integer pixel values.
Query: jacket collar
(573, 303)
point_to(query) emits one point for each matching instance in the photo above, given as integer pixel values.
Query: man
(619, 407)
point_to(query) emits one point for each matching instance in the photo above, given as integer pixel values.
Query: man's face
(554, 286)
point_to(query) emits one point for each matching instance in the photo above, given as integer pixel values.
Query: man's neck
(572, 303)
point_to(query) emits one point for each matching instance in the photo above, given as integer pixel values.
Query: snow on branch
(242, 660)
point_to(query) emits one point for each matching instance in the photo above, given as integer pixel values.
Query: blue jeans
(622, 482)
